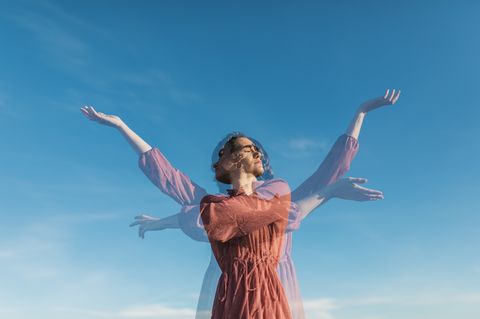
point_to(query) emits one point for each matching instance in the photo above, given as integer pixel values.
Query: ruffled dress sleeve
(335, 165)
(191, 223)
(168, 179)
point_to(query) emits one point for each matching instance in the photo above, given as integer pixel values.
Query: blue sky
(291, 74)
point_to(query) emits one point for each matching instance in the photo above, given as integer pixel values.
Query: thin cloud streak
(324, 308)
(135, 311)
(301, 147)
(66, 49)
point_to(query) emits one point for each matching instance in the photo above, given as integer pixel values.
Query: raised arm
(337, 162)
(137, 143)
(389, 98)
(152, 162)
(314, 192)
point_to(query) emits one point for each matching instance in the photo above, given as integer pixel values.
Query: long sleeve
(334, 166)
(227, 217)
(170, 180)
(191, 223)
(294, 217)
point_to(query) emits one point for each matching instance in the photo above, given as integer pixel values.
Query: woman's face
(244, 157)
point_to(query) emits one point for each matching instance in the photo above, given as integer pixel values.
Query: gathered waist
(243, 268)
(266, 258)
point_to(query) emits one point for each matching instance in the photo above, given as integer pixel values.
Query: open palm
(99, 117)
(348, 188)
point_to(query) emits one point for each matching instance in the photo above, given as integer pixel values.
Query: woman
(246, 230)
(313, 192)
(189, 221)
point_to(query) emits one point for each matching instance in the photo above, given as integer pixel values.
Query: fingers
(364, 191)
(396, 97)
(369, 191)
(367, 194)
(392, 95)
(145, 217)
(365, 198)
(140, 219)
(391, 98)
(93, 110)
(86, 112)
(358, 180)
(90, 112)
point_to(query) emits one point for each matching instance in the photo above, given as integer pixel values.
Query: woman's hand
(102, 118)
(387, 99)
(147, 223)
(348, 188)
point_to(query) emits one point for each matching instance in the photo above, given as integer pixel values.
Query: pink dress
(246, 233)
(188, 194)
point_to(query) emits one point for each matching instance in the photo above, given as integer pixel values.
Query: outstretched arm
(150, 223)
(338, 160)
(137, 143)
(389, 98)
(152, 162)
(188, 220)
(345, 188)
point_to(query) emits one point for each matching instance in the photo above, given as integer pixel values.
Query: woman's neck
(245, 182)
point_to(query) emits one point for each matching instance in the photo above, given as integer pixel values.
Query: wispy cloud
(300, 147)
(35, 253)
(60, 44)
(153, 90)
(156, 82)
(135, 311)
(434, 299)
(71, 44)
(40, 249)
(151, 78)
(325, 308)
(320, 308)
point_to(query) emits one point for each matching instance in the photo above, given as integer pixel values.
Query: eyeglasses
(249, 148)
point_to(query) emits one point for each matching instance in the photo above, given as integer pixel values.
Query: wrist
(362, 110)
(170, 222)
(328, 192)
(121, 125)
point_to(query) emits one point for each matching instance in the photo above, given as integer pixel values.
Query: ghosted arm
(348, 188)
(389, 98)
(150, 223)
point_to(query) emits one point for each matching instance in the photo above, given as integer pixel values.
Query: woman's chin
(259, 172)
